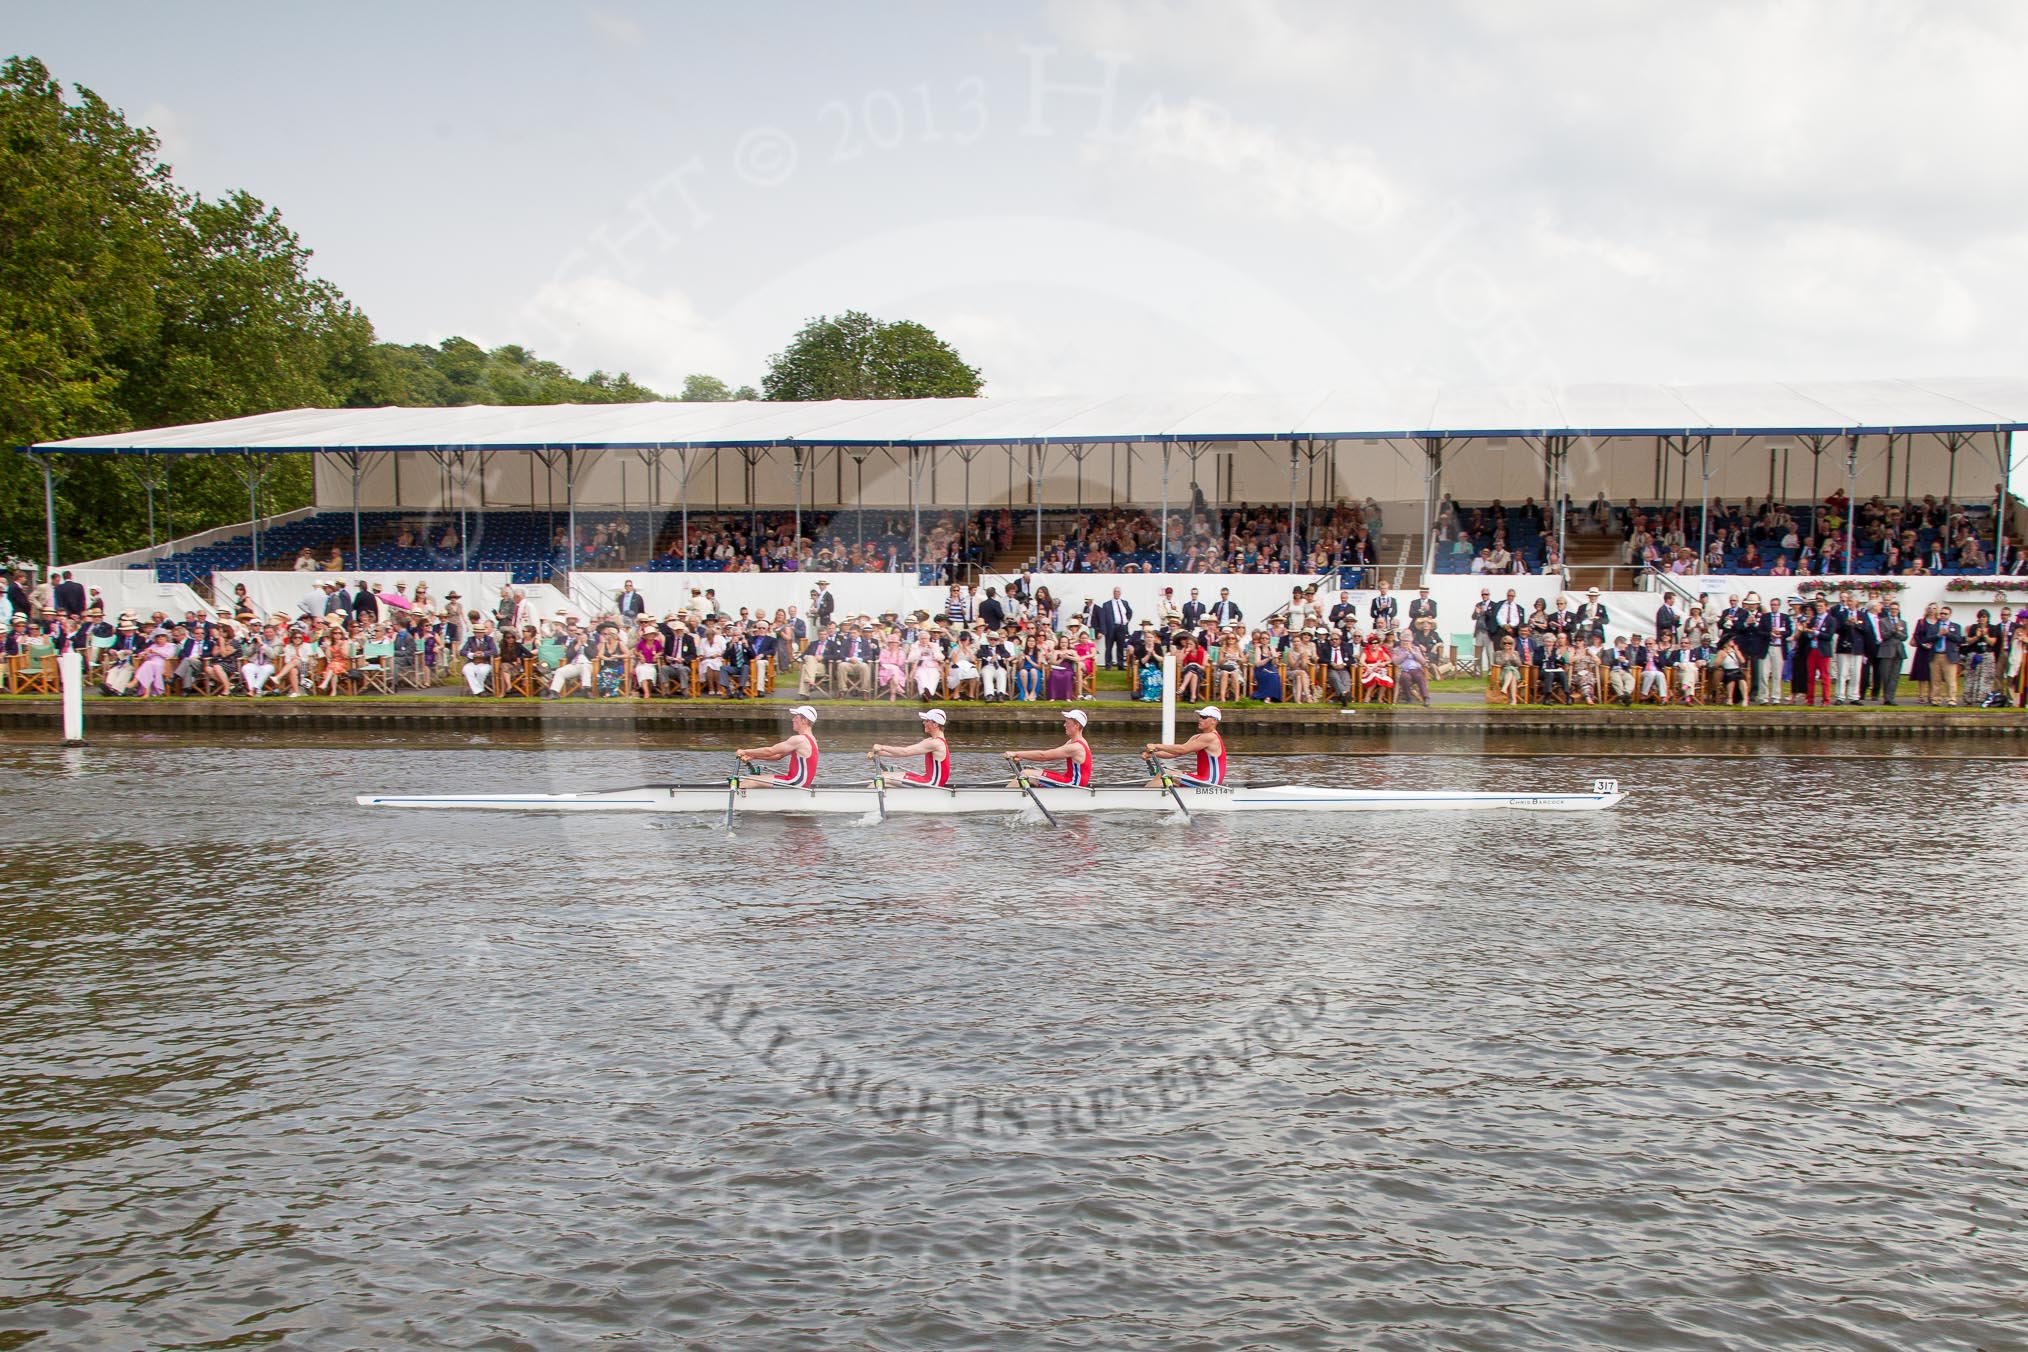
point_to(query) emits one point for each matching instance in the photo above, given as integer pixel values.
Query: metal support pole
(1704, 503)
(358, 559)
(915, 517)
(800, 455)
(1292, 507)
(1562, 506)
(1165, 511)
(1035, 490)
(148, 459)
(1952, 445)
(2002, 457)
(1433, 452)
(570, 506)
(253, 507)
(1851, 495)
(683, 459)
(48, 507)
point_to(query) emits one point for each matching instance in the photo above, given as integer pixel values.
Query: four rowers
(1073, 756)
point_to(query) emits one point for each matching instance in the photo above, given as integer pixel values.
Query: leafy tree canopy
(711, 390)
(856, 356)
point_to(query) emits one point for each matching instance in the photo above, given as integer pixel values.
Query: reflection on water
(1737, 1064)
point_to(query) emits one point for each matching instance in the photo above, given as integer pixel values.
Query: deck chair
(415, 672)
(521, 677)
(1465, 656)
(374, 671)
(34, 672)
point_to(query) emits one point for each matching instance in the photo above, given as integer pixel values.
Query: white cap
(805, 712)
(1210, 711)
(935, 716)
(1075, 715)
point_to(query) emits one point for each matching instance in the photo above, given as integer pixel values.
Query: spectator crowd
(1842, 647)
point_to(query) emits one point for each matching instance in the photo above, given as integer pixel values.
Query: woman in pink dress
(1087, 659)
(926, 658)
(154, 661)
(892, 677)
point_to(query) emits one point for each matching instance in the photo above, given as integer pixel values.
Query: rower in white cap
(799, 749)
(934, 750)
(1075, 753)
(1209, 744)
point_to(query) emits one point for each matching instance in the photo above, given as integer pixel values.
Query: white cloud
(173, 131)
(596, 321)
(1341, 186)
(616, 28)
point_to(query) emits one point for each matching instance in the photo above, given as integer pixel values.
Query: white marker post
(70, 669)
(1169, 698)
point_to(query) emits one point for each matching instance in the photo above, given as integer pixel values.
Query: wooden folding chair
(520, 678)
(34, 672)
(373, 672)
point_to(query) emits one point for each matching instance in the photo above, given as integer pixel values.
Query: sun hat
(1076, 716)
(804, 712)
(935, 716)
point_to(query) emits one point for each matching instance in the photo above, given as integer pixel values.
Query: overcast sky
(1114, 195)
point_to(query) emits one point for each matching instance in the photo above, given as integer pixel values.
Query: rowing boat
(888, 798)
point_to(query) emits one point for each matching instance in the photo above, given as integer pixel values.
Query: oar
(732, 790)
(1168, 783)
(1021, 778)
(879, 784)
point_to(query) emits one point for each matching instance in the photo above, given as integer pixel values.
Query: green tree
(856, 356)
(699, 389)
(126, 302)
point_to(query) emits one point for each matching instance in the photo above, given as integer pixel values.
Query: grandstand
(920, 482)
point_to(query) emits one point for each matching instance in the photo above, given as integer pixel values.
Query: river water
(1738, 1064)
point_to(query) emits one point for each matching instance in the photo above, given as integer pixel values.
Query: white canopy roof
(1412, 411)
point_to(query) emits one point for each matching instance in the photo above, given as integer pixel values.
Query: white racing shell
(894, 799)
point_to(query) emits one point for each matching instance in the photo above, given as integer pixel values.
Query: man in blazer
(1667, 622)
(70, 596)
(632, 604)
(1849, 652)
(1422, 607)
(1507, 617)
(1592, 616)
(1194, 610)
(1767, 672)
(1112, 618)
(1226, 611)
(1890, 648)
(1945, 640)
(1339, 655)
(1751, 633)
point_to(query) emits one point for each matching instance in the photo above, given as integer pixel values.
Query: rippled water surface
(1739, 1064)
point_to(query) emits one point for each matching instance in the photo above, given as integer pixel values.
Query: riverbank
(430, 710)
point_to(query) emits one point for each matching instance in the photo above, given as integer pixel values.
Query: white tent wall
(284, 593)
(137, 590)
(762, 593)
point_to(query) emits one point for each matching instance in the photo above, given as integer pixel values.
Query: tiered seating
(1523, 535)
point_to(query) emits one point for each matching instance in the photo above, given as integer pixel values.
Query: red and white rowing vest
(1211, 763)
